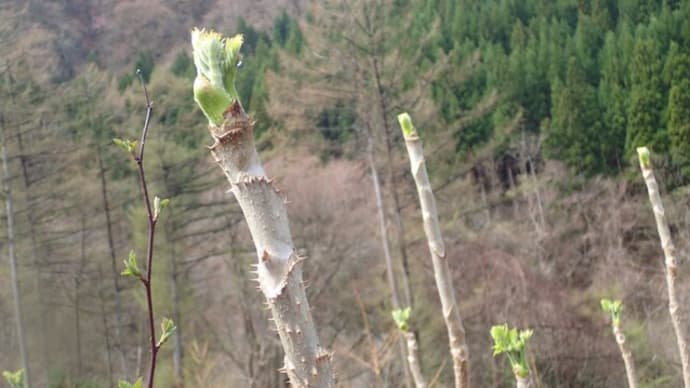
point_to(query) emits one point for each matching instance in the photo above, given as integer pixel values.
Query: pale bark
(524, 382)
(444, 282)
(13, 259)
(627, 356)
(671, 267)
(413, 359)
(307, 364)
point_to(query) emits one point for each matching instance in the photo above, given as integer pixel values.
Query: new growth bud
(643, 154)
(215, 59)
(406, 125)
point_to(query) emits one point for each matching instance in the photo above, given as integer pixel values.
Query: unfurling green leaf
(643, 154)
(513, 344)
(215, 59)
(127, 145)
(167, 329)
(406, 125)
(158, 205)
(131, 266)
(137, 384)
(14, 379)
(613, 307)
(401, 318)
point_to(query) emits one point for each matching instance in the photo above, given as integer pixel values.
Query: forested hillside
(530, 111)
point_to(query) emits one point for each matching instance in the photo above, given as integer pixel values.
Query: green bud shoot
(513, 344)
(137, 384)
(401, 318)
(406, 125)
(125, 144)
(613, 307)
(131, 266)
(215, 59)
(167, 329)
(643, 154)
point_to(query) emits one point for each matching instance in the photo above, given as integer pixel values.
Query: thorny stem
(146, 281)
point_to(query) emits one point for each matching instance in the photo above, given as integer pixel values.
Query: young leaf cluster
(512, 343)
(14, 379)
(614, 308)
(402, 318)
(137, 384)
(131, 266)
(216, 59)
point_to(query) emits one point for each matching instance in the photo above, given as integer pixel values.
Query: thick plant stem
(670, 256)
(307, 364)
(524, 382)
(444, 282)
(627, 356)
(413, 359)
(13, 259)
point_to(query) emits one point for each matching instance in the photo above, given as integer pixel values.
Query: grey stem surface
(627, 356)
(671, 267)
(444, 281)
(307, 364)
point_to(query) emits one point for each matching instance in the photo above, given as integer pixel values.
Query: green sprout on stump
(513, 344)
(14, 379)
(613, 307)
(402, 318)
(216, 59)
(137, 384)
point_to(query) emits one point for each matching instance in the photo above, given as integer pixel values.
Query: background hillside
(530, 111)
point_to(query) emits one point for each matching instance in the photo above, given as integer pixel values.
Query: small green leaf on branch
(167, 329)
(127, 145)
(131, 266)
(158, 205)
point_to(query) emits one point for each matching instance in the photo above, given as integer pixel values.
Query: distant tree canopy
(589, 74)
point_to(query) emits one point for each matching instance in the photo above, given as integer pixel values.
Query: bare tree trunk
(670, 255)
(13, 259)
(444, 281)
(77, 293)
(392, 185)
(390, 273)
(627, 356)
(106, 330)
(280, 277)
(115, 274)
(175, 296)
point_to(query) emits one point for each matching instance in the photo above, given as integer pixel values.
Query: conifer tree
(645, 119)
(575, 129)
(677, 74)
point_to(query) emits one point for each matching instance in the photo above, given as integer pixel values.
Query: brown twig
(146, 280)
